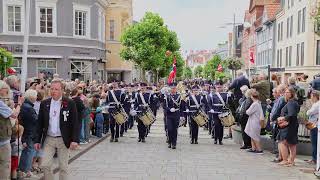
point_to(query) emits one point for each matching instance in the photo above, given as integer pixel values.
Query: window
(288, 27)
(80, 23)
(292, 3)
(47, 67)
(291, 25)
(318, 53)
(46, 20)
(280, 57)
(14, 18)
(112, 29)
(290, 55)
(287, 56)
(288, 4)
(17, 65)
(281, 31)
(298, 55)
(302, 54)
(303, 29)
(299, 22)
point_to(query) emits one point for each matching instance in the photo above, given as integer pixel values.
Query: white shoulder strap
(195, 100)
(114, 97)
(222, 101)
(142, 99)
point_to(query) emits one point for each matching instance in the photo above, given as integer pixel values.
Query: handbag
(282, 123)
(226, 117)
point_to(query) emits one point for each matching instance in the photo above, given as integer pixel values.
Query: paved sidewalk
(152, 160)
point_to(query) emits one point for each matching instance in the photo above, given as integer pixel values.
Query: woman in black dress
(288, 135)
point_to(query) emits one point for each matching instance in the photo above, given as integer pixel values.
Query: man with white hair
(14, 83)
(29, 119)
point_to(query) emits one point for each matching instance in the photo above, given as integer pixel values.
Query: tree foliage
(211, 67)
(234, 63)
(198, 71)
(146, 43)
(6, 60)
(187, 73)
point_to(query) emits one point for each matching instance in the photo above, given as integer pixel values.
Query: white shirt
(54, 118)
(313, 112)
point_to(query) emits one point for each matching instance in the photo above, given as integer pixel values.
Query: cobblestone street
(153, 160)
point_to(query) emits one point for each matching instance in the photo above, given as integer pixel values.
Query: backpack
(300, 95)
(5, 128)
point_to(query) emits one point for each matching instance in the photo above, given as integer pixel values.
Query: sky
(196, 22)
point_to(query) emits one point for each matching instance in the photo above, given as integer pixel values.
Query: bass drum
(120, 116)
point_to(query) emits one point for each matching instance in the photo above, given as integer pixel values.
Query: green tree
(187, 73)
(147, 42)
(198, 71)
(211, 67)
(6, 60)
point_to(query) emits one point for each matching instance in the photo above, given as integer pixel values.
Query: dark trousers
(106, 123)
(194, 130)
(99, 130)
(314, 141)
(246, 139)
(172, 123)
(210, 125)
(114, 127)
(130, 122)
(124, 127)
(141, 129)
(218, 129)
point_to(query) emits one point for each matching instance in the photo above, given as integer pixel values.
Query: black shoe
(212, 137)
(116, 140)
(191, 142)
(173, 147)
(215, 142)
(196, 142)
(167, 141)
(244, 147)
(139, 140)
(121, 135)
(143, 140)
(111, 140)
(220, 143)
(169, 146)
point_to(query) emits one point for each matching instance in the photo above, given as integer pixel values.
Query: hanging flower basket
(6, 60)
(234, 63)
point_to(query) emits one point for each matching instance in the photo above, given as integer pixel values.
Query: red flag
(251, 57)
(173, 72)
(220, 68)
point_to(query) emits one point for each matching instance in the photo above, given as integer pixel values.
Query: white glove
(187, 110)
(229, 93)
(211, 111)
(172, 110)
(107, 107)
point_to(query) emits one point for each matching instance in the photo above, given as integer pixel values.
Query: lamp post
(24, 65)
(5, 60)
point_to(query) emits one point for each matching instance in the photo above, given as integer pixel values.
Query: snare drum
(200, 118)
(147, 117)
(120, 116)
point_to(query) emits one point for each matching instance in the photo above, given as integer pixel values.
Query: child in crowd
(17, 132)
(99, 122)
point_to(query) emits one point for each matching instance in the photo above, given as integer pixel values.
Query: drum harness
(116, 100)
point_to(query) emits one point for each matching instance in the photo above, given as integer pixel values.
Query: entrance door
(81, 70)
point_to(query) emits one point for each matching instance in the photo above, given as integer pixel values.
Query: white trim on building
(5, 5)
(46, 4)
(82, 9)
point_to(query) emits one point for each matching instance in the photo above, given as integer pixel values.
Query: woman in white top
(253, 127)
(313, 114)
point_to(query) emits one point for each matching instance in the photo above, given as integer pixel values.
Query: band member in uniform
(216, 107)
(140, 107)
(126, 104)
(164, 94)
(210, 115)
(112, 107)
(174, 110)
(151, 101)
(132, 95)
(195, 102)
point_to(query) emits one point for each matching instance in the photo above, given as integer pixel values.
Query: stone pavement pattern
(153, 160)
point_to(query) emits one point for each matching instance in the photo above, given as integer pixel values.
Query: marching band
(199, 106)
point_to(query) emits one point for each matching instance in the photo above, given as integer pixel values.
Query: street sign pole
(24, 65)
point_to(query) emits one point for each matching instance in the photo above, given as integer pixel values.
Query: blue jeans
(82, 131)
(27, 154)
(314, 141)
